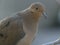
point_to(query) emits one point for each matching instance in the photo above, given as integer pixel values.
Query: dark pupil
(36, 8)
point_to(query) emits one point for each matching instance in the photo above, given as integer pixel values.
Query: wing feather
(11, 30)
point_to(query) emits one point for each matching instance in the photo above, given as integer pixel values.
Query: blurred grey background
(48, 28)
(7, 7)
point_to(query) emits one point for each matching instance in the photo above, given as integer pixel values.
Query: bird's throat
(36, 16)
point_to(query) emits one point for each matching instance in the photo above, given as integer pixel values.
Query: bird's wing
(4, 23)
(11, 31)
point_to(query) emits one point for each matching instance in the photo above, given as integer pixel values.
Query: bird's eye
(36, 8)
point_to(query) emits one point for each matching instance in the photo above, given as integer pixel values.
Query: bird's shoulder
(16, 19)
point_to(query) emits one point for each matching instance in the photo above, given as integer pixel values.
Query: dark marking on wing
(6, 25)
(21, 31)
(1, 35)
(22, 35)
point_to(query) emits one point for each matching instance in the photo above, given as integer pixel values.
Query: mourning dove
(21, 28)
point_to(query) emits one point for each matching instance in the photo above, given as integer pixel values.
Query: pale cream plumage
(22, 27)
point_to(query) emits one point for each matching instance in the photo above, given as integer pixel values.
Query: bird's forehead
(37, 4)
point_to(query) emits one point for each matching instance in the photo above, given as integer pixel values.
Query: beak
(45, 14)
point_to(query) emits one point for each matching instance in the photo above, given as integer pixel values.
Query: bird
(21, 28)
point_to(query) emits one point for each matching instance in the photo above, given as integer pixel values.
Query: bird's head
(38, 9)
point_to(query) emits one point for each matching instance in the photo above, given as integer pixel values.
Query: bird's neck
(30, 24)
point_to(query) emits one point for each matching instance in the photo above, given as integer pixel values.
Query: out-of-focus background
(48, 28)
